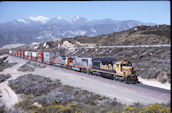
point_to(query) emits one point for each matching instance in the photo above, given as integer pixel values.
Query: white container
(28, 53)
(35, 54)
(10, 51)
(87, 62)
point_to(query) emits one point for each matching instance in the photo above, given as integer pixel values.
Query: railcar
(18, 53)
(40, 57)
(82, 64)
(118, 70)
(28, 54)
(48, 56)
(15, 53)
(59, 61)
(21, 54)
(34, 56)
(10, 52)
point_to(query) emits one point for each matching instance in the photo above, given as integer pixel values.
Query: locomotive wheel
(115, 77)
(127, 80)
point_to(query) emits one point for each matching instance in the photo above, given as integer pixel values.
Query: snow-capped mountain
(40, 28)
(40, 19)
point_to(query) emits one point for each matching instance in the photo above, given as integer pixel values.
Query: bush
(52, 108)
(4, 77)
(33, 85)
(152, 108)
(130, 109)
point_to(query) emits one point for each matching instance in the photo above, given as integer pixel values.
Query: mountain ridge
(41, 29)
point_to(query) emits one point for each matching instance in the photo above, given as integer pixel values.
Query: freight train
(110, 68)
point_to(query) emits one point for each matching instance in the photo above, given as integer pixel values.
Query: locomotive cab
(125, 69)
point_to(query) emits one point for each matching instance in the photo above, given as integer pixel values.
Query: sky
(157, 12)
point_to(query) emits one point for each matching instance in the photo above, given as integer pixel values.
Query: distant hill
(159, 34)
(41, 29)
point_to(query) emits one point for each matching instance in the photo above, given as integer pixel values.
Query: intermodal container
(22, 54)
(48, 57)
(14, 53)
(40, 57)
(10, 52)
(82, 62)
(28, 54)
(59, 60)
(34, 55)
(18, 53)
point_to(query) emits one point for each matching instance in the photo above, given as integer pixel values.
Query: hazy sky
(146, 11)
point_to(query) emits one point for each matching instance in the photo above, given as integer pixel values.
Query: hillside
(159, 34)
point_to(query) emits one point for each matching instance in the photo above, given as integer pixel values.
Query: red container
(34, 58)
(53, 60)
(69, 61)
(29, 57)
(25, 57)
(40, 57)
(18, 53)
(22, 54)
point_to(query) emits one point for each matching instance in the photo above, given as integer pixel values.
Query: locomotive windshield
(127, 64)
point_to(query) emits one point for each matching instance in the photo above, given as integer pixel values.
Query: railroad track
(122, 46)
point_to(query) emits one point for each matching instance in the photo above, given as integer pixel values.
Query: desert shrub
(2, 108)
(52, 108)
(33, 85)
(130, 109)
(165, 110)
(152, 108)
(26, 67)
(114, 111)
(25, 104)
(4, 77)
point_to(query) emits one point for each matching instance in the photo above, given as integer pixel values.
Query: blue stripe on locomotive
(96, 62)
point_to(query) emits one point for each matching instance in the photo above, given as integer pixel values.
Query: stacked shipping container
(34, 55)
(40, 57)
(48, 57)
(28, 54)
(59, 60)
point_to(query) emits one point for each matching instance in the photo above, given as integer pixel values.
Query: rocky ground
(29, 66)
(44, 91)
(4, 63)
(41, 94)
